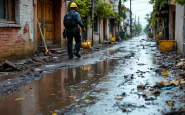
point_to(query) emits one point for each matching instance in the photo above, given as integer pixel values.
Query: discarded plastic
(175, 82)
(170, 103)
(165, 82)
(167, 88)
(165, 73)
(54, 114)
(119, 97)
(151, 98)
(19, 99)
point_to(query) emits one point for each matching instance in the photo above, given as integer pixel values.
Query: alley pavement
(126, 78)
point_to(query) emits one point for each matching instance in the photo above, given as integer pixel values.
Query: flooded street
(104, 83)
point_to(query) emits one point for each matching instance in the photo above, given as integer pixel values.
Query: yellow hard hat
(73, 5)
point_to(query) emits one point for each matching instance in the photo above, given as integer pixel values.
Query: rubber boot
(77, 53)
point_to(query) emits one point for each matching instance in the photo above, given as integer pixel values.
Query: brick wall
(18, 41)
(13, 44)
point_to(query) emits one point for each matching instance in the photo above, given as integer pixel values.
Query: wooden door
(45, 17)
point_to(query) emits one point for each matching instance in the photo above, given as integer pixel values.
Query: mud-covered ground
(124, 78)
(30, 69)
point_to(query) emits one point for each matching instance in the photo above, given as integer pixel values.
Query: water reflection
(53, 90)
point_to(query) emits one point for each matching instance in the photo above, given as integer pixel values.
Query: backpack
(69, 21)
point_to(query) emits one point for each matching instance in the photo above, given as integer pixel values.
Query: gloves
(84, 30)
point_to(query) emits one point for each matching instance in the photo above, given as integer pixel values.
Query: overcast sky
(139, 9)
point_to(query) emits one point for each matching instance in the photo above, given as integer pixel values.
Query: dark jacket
(77, 18)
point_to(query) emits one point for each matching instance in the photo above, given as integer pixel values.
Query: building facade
(179, 27)
(16, 28)
(19, 32)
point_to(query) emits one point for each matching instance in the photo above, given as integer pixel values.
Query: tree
(181, 2)
(102, 10)
(138, 28)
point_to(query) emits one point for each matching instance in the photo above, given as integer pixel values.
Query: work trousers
(73, 33)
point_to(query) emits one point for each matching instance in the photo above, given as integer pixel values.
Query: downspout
(35, 24)
(99, 31)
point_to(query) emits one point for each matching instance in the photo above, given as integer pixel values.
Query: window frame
(111, 26)
(7, 12)
(96, 19)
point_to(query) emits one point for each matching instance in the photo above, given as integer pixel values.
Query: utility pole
(92, 21)
(131, 18)
(119, 12)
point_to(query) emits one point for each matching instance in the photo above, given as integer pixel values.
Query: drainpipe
(119, 11)
(35, 24)
(131, 18)
(92, 22)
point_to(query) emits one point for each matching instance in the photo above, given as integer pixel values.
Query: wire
(142, 9)
(140, 2)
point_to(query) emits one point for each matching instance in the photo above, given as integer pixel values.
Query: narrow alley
(119, 80)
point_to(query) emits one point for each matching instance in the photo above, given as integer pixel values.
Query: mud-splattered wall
(17, 39)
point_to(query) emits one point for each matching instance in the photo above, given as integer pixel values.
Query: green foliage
(122, 13)
(158, 4)
(138, 28)
(150, 35)
(83, 9)
(181, 2)
(146, 28)
(104, 10)
(127, 36)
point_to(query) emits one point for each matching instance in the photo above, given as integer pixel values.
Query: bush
(127, 36)
(150, 35)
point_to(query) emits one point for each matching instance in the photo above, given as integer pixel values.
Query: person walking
(71, 21)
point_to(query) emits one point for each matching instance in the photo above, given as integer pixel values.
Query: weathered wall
(63, 12)
(58, 20)
(101, 31)
(18, 39)
(171, 22)
(179, 27)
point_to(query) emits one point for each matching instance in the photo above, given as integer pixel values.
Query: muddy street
(116, 81)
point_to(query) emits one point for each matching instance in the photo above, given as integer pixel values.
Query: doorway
(104, 29)
(46, 19)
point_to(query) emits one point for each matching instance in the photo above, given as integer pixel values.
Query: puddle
(91, 89)
(57, 90)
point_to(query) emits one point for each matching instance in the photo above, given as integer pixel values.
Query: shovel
(43, 39)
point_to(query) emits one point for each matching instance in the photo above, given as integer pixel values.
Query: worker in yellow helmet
(71, 21)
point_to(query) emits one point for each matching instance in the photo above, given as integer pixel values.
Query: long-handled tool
(43, 39)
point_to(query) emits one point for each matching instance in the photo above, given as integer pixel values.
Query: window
(7, 10)
(2, 9)
(96, 24)
(111, 25)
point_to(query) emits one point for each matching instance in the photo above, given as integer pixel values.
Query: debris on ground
(150, 98)
(37, 59)
(19, 99)
(180, 64)
(165, 82)
(8, 66)
(165, 73)
(170, 103)
(119, 97)
(175, 82)
(167, 88)
(141, 87)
